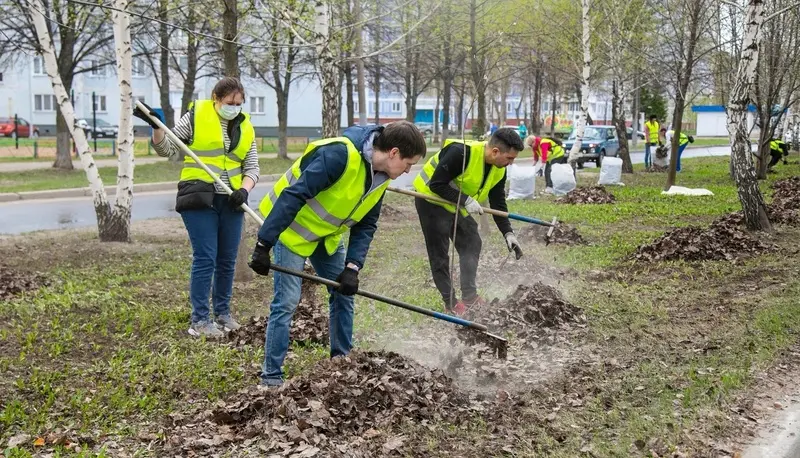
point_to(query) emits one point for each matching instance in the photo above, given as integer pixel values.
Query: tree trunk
(283, 123)
(536, 104)
(446, 94)
(764, 136)
(350, 102)
(163, 38)
(68, 36)
(230, 30)
(63, 144)
(191, 65)
(635, 117)
(580, 128)
(360, 72)
(436, 116)
(329, 74)
(618, 119)
(377, 89)
(502, 110)
(476, 70)
(553, 114)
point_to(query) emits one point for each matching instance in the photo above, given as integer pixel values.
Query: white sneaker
(205, 329)
(548, 190)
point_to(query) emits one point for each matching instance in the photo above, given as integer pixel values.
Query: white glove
(513, 244)
(473, 206)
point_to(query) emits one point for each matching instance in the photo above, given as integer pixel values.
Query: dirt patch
(785, 206)
(342, 406)
(656, 169)
(563, 234)
(722, 240)
(590, 195)
(392, 214)
(309, 324)
(13, 282)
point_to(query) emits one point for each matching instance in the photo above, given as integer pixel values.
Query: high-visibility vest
(683, 140)
(208, 144)
(556, 150)
(652, 130)
(469, 181)
(777, 145)
(332, 212)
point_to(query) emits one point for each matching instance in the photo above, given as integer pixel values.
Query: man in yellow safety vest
(464, 173)
(651, 139)
(337, 185)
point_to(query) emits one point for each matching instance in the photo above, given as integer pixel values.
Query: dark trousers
(549, 168)
(437, 228)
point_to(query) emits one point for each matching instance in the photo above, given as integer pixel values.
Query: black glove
(141, 115)
(348, 281)
(238, 197)
(259, 261)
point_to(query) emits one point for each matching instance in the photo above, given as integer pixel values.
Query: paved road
(36, 215)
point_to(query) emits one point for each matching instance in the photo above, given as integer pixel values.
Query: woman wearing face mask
(222, 136)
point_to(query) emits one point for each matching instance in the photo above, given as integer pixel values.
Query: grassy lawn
(668, 352)
(41, 179)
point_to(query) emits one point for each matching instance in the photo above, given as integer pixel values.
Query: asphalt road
(67, 213)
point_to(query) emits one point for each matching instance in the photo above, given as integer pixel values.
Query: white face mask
(229, 111)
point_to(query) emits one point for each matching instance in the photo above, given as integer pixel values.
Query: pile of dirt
(785, 206)
(591, 195)
(526, 312)
(656, 169)
(13, 282)
(340, 405)
(389, 213)
(309, 324)
(722, 240)
(562, 234)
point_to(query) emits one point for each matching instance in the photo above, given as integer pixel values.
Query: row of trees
(469, 54)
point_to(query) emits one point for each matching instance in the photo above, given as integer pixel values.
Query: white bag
(522, 182)
(610, 171)
(563, 179)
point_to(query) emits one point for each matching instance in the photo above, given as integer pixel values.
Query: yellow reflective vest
(556, 151)
(469, 181)
(683, 140)
(652, 131)
(332, 212)
(207, 143)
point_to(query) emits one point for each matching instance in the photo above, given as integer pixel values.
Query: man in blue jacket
(337, 185)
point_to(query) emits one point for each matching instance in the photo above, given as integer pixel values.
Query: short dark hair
(404, 136)
(652, 117)
(505, 139)
(226, 86)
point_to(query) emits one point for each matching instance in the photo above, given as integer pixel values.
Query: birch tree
(753, 207)
(113, 222)
(580, 128)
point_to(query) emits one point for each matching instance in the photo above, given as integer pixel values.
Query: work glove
(259, 261)
(473, 206)
(348, 281)
(513, 244)
(141, 115)
(238, 197)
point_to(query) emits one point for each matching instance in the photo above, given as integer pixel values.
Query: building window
(574, 106)
(38, 66)
(546, 106)
(100, 104)
(44, 102)
(509, 107)
(395, 107)
(257, 105)
(183, 63)
(97, 69)
(355, 106)
(137, 68)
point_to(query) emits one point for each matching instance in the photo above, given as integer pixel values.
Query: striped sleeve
(250, 167)
(183, 130)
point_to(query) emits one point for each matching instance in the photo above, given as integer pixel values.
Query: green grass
(165, 171)
(104, 347)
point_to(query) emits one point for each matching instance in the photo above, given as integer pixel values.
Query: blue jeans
(284, 303)
(215, 234)
(648, 161)
(680, 151)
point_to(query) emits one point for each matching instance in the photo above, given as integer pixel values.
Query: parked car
(598, 142)
(425, 127)
(639, 134)
(103, 129)
(23, 128)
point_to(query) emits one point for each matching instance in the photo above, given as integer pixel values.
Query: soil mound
(562, 234)
(528, 310)
(13, 282)
(309, 325)
(785, 206)
(657, 169)
(722, 240)
(591, 195)
(340, 405)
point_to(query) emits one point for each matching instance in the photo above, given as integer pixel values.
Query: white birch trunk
(580, 128)
(329, 74)
(122, 42)
(744, 172)
(65, 106)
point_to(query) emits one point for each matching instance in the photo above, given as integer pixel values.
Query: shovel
(499, 344)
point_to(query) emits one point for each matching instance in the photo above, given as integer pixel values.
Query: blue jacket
(320, 170)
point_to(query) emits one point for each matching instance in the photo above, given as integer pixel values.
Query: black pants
(549, 169)
(437, 227)
(775, 157)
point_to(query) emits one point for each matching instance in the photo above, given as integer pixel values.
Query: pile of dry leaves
(785, 206)
(724, 239)
(309, 324)
(528, 310)
(341, 406)
(562, 234)
(13, 282)
(591, 195)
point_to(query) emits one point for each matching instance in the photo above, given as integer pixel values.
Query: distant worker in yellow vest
(222, 136)
(651, 135)
(335, 187)
(547, 151)
(468, 181)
